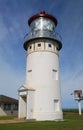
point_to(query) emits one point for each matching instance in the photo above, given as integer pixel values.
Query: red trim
(42, 14)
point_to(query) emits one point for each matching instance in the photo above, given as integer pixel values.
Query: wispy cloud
(10, 80)
(11, 41)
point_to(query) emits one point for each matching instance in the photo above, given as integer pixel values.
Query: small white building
(8, 106)
(40, 97)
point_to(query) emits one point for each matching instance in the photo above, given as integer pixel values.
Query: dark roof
(42, 14)
(6, 99)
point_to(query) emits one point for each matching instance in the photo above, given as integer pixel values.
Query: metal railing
(42, 33)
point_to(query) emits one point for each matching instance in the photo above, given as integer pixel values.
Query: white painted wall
(22, 106)
(2, 112)
(7, 112)
(30, 104)
(42, 74)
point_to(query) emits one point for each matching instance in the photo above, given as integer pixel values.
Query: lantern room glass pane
(42, 27)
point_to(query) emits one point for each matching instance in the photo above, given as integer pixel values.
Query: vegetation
(7, 117)
(71, 110)
(71, 121)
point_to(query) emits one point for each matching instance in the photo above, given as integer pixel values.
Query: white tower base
(26, 105)
(48, 116)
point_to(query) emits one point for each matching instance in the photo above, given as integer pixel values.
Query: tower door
(30, 105)
(56, 105)
(22, 106)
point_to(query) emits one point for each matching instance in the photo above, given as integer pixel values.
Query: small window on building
(49, 45)
(55, 74)
(29, 74)
(30, 47)
(56, 105)
(29, 70)
(39, 45)
(15, 106)
(7, 106)
(54, 70)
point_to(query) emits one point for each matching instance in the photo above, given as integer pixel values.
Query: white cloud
(70, 81)
(11, 57)
(3, 31)
(10, 80)
(10, 77)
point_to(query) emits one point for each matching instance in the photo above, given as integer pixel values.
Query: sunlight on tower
(40, 97)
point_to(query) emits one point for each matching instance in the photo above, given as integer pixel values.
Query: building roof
(6, 99)
(44, 15)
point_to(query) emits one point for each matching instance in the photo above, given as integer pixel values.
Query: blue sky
(14, 15)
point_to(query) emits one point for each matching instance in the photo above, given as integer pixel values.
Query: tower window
(56, 105)
(55, 74)
(29, 70)
(49, 45)
(30, 47)
(39, 45)
(29, 74)
(54, 70)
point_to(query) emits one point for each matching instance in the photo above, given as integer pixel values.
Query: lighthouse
(40, 97)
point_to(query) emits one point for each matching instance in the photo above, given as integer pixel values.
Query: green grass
(72, 121)
(7, 117)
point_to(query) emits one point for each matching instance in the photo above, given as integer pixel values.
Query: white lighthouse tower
(40, 97)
